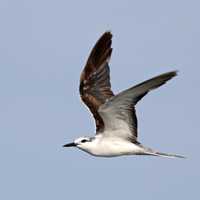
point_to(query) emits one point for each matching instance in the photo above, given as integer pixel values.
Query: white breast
(112, 146)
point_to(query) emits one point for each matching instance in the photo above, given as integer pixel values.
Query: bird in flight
(115, 115)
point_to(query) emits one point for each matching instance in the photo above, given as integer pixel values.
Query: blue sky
(43, 48)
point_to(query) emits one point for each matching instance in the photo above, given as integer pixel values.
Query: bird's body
(111, 146)
(115, 115)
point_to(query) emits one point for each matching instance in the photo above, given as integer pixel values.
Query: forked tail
(168, 155)
(149, 151)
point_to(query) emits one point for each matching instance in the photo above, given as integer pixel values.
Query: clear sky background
(44, 45)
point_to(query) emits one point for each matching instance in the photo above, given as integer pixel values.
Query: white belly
(114, 147)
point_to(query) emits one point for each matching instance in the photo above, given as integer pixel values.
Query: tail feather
(149, 151)
(169, 155)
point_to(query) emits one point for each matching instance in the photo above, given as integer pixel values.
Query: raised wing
(95, 87)
(118, 113)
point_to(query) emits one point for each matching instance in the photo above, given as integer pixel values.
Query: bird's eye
(83, 141)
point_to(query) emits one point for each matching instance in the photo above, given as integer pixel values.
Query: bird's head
(81, 142)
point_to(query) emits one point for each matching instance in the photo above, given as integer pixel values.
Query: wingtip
(108, 34)
(173, 73)
(176, 72)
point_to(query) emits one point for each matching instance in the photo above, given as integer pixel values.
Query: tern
(115, 115)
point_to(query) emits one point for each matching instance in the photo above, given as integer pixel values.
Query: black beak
(70, 145)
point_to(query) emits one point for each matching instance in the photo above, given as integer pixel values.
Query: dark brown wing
(95, 87)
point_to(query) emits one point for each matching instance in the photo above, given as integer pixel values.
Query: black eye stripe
(83, 141)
